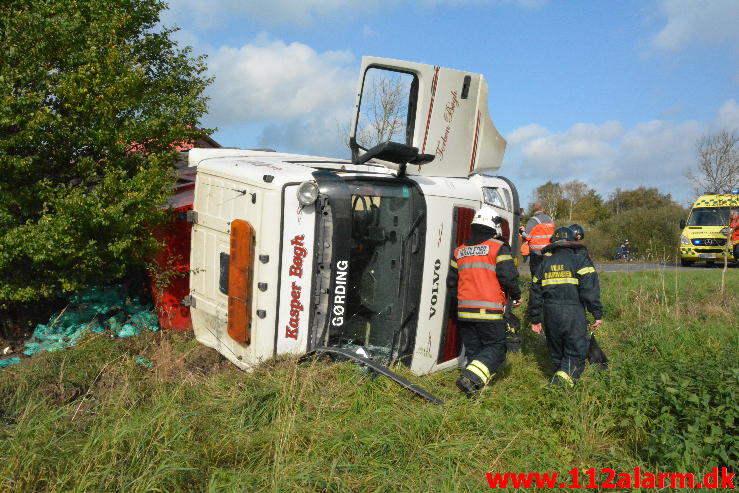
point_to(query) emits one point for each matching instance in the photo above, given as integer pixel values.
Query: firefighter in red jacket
(734, 238)
(538, 231)
(481, 276)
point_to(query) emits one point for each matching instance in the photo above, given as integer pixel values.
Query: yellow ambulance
(706, 231)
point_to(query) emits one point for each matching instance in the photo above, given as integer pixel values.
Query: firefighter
(565, 284)
(578, 245)
(537, 232)
(734, 238)
(481, 275)
(578, 230)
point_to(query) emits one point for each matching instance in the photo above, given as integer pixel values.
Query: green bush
(691, 412)
(652, 233)
(92, 97)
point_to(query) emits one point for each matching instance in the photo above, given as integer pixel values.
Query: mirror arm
(355, 149)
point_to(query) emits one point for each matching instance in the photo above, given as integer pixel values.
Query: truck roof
(250, 165)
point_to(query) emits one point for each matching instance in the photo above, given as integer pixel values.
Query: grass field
(93, 419)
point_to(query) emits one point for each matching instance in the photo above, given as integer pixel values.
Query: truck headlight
(684, 240)
(725, 231)
(307, 193)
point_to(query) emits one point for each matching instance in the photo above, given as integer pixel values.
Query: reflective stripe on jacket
(540, 236)
(564, 278)
(479, 293)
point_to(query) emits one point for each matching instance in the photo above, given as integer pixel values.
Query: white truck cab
(291, 253)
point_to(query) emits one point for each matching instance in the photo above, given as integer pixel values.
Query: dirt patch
(58, 393)
(171, 365)
(205, 360)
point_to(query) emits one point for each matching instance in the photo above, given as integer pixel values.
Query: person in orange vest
(538, 231)
(482, 275)
(525, 250)
(734, 225)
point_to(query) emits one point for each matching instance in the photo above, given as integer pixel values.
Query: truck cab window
(387, 108)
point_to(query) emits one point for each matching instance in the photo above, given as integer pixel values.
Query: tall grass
(92, 419)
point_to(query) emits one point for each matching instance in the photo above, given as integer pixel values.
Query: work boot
(561, 379)
(467, 386)
(513, 342)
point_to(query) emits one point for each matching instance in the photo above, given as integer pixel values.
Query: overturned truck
(291, 253)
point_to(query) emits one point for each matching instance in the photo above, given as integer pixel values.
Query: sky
(613, 92)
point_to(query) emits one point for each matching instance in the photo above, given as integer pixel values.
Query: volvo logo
(435, 289)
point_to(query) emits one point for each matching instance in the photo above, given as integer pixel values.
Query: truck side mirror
(682, 223)
(394, 152)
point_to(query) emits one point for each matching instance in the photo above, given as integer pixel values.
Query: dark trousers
(534, 262)
(484, 341)
(566, 329)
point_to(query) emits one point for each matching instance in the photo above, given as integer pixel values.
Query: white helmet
(487, 216)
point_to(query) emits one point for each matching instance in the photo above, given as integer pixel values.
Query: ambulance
(706, 230)
(291, 252)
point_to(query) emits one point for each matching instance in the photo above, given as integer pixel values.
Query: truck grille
(709, 241)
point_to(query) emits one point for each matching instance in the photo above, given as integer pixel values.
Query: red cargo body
(452, 342)
(169, 289)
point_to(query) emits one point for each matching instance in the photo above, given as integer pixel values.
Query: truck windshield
(386, 248)
(709, 216)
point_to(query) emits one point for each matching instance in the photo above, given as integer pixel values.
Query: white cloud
(728, 116)
(566, 151)
(606, 156)
(712, 21)
(320, 134)
(271, 80)
(527, 132)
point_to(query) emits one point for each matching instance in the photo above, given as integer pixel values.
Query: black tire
(686, 263)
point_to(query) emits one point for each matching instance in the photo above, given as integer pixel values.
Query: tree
(718, 163)
(550, 194)
(590, 208)
(384, 108)
(622, 201)
(92, 97)
(573, 192)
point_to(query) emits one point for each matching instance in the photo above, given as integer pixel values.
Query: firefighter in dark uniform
(481, 275)
(577, 245)
(565, 284)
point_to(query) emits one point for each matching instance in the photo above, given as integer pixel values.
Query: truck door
(440, 111)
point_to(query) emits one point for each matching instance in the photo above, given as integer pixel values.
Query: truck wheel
(686, 263)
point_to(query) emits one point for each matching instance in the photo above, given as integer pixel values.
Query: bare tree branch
(549, 194)
(573, 192)
(718, 163)
(383, 112)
